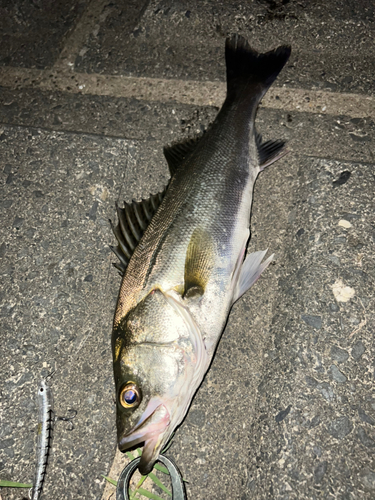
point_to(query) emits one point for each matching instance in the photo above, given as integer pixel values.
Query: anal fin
(252, 268)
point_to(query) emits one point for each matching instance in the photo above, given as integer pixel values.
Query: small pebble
(341, 292)
(358, 349)
(340, 427)
(337, 375)
(319, 471)
(344, 223)
(326, 391)
(314, 321)
(334, 307)
(364, 417)
(338, 354)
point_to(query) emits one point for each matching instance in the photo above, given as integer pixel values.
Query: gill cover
(154, 360)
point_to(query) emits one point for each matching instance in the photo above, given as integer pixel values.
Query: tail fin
(247, 68)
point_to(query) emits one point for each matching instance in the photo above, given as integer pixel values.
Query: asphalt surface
(287, 409)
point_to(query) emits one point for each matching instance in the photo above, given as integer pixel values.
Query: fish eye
(130, 395)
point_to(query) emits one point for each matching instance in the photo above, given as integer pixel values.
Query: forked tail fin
(249, 71)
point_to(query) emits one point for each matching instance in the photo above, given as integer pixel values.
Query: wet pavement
(287, 409)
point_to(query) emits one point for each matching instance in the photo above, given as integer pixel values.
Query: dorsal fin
(133, 221)
(269, 151)
(198, 263)
(177, 153)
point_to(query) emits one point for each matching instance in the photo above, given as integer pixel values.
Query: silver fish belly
(183, 258)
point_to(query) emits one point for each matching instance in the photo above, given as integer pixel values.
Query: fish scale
(190, 264)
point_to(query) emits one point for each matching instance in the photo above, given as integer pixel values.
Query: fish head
(155, 359)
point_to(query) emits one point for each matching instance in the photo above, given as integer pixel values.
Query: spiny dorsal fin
(177, 153)
(133, 221)
(269, 151)
(198, 263)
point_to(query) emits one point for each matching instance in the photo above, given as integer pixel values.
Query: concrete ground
(90, 92)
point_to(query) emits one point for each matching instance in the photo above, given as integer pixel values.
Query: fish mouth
(150, 430)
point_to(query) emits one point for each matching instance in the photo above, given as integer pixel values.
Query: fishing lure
(46, 422)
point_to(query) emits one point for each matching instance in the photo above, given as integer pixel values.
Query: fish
(46, 420)
(183, 257)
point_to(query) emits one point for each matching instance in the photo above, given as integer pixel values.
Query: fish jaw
(153, 430)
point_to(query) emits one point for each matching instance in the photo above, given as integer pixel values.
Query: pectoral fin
(251, 269)
(199, 263)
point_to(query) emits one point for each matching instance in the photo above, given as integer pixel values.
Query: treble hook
(69, 418)
(178, 487)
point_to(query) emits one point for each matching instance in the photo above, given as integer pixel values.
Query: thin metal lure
(45, 430)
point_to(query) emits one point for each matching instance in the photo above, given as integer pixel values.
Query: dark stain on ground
(344, 177)
(276, 9)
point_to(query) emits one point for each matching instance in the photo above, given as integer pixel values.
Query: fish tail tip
(248, 65)
(238, 43)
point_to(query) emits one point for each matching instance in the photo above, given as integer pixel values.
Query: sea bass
(183, 259)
